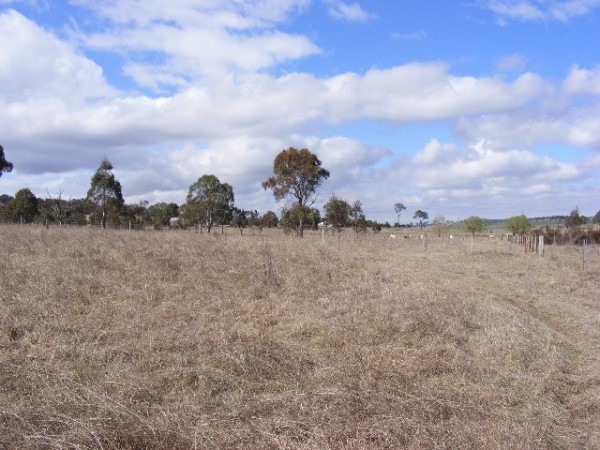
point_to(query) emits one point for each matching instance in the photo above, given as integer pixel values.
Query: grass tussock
(148, 340)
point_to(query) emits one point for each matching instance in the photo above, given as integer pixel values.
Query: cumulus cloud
(212, 104)
(443, 166)
(34, 63)
(191, 40)
(583, 81)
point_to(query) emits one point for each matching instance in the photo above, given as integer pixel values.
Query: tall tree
(422, 216)
(297, 176)
(105, 191)
(399, 207)
(5, 166)
(209, 201)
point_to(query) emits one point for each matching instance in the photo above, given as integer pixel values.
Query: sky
(457, 108)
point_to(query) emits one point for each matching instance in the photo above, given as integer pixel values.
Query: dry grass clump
(149, 340)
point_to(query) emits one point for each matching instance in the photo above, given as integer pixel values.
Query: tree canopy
(210, 202)
(105, 191)
(422, 216)
(337, 212)
(24, 207)
(297, 173)
(517, 224)
(399, 207)
(474, 224)
(575, 219)
(5, 166)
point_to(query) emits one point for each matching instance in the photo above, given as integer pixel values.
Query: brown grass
(161, 340)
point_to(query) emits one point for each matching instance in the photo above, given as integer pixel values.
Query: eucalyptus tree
(105, 191)
(297, 174)
(422, 216)
(337, 212)
(399, 207)
(210, 202)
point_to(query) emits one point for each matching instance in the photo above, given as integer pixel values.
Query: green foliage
(596, 218)
(474, 225)
(299, 217)
(337, 212)
(422, 216)
(517, 224)
(575, 220)
(298, 173)
(5, 166)
(399, 207)
(24, 207)
(105, 193)
(269, 220)
(357, 217)
(160, 214)
(210, 202)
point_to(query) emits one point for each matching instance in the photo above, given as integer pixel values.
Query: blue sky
(475, 107)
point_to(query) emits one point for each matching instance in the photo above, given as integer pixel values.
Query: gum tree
(422, 216)
(210, 202)
(297, 174)
(399, 207)
(105, 191)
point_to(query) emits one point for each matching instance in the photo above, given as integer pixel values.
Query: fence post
(541, 244)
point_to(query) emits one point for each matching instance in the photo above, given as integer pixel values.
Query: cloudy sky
(458, 108)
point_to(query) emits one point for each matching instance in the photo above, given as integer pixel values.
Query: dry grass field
(175, 340)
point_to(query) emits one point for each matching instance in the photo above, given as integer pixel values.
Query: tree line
(297, 175)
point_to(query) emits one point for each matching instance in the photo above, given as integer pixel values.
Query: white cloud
(572, 125)
(443, 166)
(348, 12)
(582, 81)
(34, 63)
(192, 40)
(526, 10)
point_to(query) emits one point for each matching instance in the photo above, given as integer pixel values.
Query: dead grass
(150, 340)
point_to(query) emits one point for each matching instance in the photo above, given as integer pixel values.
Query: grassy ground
(161, 340)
